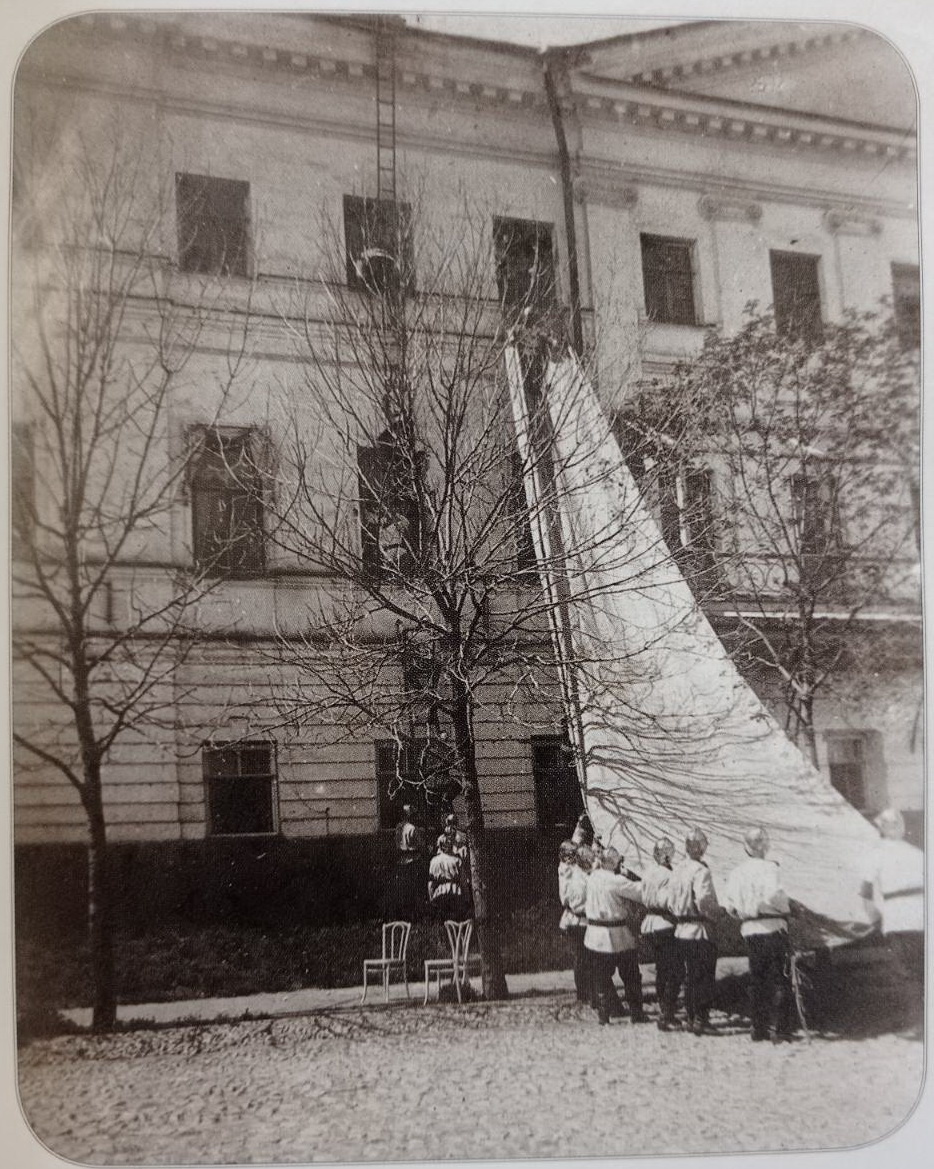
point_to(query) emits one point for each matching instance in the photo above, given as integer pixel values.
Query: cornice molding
(722, 207)
(850, 221)
(689, 114)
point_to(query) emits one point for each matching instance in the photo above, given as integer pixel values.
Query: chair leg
(363, 996)
(405, 975)
(386, 982)
(427, 977)
(457, 986)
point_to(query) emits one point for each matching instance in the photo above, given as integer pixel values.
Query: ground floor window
(558, 800)
(240, 788)
(420, 772)
(846, 760)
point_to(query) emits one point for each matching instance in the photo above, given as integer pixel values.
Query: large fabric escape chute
(668, 733)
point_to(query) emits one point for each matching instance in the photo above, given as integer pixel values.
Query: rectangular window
(906, 299)
(378, 243)
(240, 782)
(558, 800)
(420, 772)
(817, 529)
(688, 522)
(226, 503)
(796, 295)
(525, 269)
(668, 279)
(213, 225)
(390, 518)
(846, 760)
(23, 488)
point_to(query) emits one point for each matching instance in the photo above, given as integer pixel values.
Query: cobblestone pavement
(532, 1078)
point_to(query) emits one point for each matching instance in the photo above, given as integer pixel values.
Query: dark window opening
(525, 269)
(390, 516)
(239, 782)
(23, 488)
(846, 760)
(688, 522)
(558, 800)
(816, 526)
(668, 279)
(226, 504)
(906, 290)
(420, 772)
(213, 225)
(796, 296)
(378, 242)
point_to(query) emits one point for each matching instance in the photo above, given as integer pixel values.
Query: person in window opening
(658, 928)
(893, 893)
(407, 879)
(693, 903)
(609, 938)
(754, 895)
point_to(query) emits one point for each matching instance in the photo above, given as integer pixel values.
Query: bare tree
(103, 603)
(399, 481)
(810, 435)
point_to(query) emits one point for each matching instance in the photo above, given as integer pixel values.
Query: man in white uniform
(893, 893)
(609, 938)
(658, 927)
(572, 892)
(754, 895)
(693, 903)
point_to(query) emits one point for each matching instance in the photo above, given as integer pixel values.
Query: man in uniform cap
(692, 901)
(658, 927)
(754, 895)
(609, 939)
(893, 892)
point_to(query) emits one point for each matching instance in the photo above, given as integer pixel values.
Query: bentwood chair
(395, 949)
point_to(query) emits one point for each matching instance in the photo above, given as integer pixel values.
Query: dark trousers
(603, 967)
(699, 956)
(669, 971)
(771, 997)
(580, 960)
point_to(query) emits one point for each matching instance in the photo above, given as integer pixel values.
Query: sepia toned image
(465, 559)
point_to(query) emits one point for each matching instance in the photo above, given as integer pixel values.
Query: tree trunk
(485, 925)
(100, 924)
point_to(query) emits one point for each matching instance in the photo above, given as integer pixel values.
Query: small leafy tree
(812, 440)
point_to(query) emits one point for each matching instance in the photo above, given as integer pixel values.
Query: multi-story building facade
(665, 181)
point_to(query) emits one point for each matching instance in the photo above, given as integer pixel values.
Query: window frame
(795, 316)
(202, 247)
(568, 775)
(906, 291)
(373, 500)
(239, 747)
(22, 488)
(387, 223)
(660, 281)
(834, 741)
(387, 754)
(252, 564)
(540, 296)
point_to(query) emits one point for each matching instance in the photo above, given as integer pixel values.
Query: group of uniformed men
(448, 873)
(600, 900)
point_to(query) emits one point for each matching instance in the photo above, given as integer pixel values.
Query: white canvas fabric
(671, 735)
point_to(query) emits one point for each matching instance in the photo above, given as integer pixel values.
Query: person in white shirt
(609, 938)
(445, 887)
(658, 928)
(755, 896)
(572, 893)
(893, 893)
(692, 901)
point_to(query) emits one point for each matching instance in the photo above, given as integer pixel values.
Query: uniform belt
(662, 913)
(613, 921)
(767, 917)
(903, 893)
(679, 918)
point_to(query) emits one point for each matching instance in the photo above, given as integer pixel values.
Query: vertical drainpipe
(567, 190)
